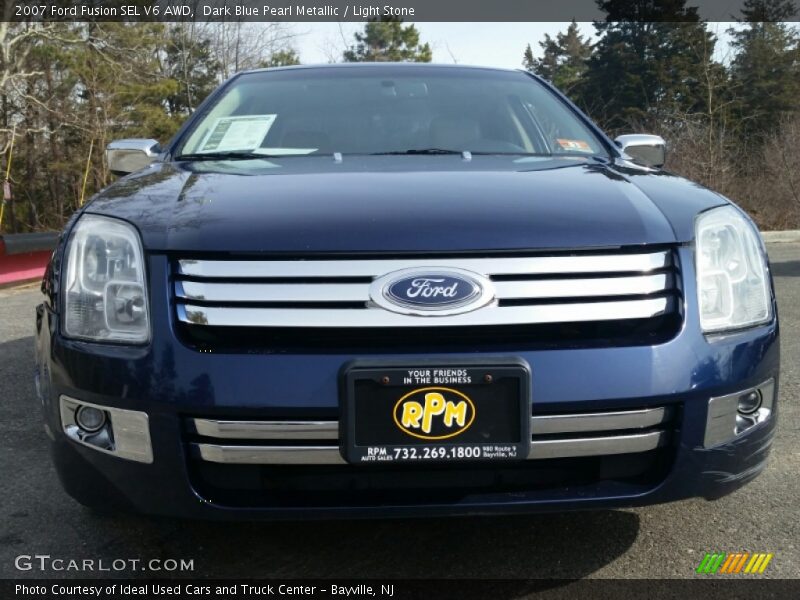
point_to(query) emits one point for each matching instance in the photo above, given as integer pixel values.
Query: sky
(484, 44)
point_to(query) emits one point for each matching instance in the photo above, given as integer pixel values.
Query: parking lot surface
(37, 517)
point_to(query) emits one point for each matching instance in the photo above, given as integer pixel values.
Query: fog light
(90, 419)
(116, 431)
(733, 415)
(749, 402)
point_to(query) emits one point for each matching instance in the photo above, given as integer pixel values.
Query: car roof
(382, 65)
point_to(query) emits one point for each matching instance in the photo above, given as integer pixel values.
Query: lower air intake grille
(317, 442)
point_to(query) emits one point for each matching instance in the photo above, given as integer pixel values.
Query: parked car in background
(384, 290)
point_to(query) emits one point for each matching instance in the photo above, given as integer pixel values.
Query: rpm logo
(434, 413)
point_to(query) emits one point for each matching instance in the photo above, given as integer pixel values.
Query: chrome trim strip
(597, 446)
(598, 263)
(595, 422)
(375, 317)
(272, 292)
(581, 288)
(266, 430)
(269, 455)
(329, 430)
(211, 291)
(540, 449)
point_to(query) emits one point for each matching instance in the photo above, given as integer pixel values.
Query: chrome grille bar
(540, 449)
(535, 265)
(266, 430)
(330, 294)
(211, 291)
(602, 433)
(270, 455)
(603, 421)
(272, 292)
(329, 430)
(234, 316)
(581, 288)
(598, 446)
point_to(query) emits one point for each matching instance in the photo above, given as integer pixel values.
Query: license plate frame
(497, 393)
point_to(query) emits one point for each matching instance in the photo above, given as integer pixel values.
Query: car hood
(402, 204)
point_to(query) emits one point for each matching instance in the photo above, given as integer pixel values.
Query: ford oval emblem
(432, 292)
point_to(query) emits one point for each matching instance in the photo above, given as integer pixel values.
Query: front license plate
(442, 412)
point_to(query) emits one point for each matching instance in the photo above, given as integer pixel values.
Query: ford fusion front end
(386, 290)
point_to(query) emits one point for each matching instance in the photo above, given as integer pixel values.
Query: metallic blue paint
(312, 205)
(492, 203)
(168, 379)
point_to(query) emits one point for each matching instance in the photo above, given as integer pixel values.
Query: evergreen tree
(67, 89)
(282, 58)
(760, 11)
(189, 60)
(117, 80)
(388, 41)
(649, 64)
(528, 61)
(766, 68)
(564, 59)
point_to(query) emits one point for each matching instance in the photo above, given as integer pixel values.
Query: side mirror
(644, 149)
(127, 156)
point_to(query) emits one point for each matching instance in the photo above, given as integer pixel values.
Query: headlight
(104, 291)
(732, 280)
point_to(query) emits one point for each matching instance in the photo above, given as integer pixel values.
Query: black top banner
(363, 10)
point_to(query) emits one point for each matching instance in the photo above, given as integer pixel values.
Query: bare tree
(240, 45)
(778, 192)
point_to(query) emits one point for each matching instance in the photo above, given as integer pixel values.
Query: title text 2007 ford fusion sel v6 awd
(385, 290)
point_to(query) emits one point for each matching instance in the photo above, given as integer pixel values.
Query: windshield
(387, 110)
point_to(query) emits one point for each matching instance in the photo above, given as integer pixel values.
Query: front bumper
(174, 385)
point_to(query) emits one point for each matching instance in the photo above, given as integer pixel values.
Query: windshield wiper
(512, 153)
(477, 153)
(233, 155)
(417, 151)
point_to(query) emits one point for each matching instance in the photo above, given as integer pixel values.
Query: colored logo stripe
(758, 563)
(729, 563)
(711, 562)
(736, 562)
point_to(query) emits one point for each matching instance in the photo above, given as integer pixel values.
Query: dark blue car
(391, 290)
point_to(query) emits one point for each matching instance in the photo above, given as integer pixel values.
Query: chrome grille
(329, 294)
(316, 442)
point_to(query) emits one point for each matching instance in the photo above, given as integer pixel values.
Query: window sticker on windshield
(574, 145)
(237, 133)
(285, 151)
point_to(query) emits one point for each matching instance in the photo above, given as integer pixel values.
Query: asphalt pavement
(37, 517)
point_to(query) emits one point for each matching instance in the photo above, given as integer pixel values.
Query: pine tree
(649, 63)
(766, 68)
(388, 41)
(528, 61)
(189, 60)
(564, 59)
(282, 58)
(760, 11)
(117, 73)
